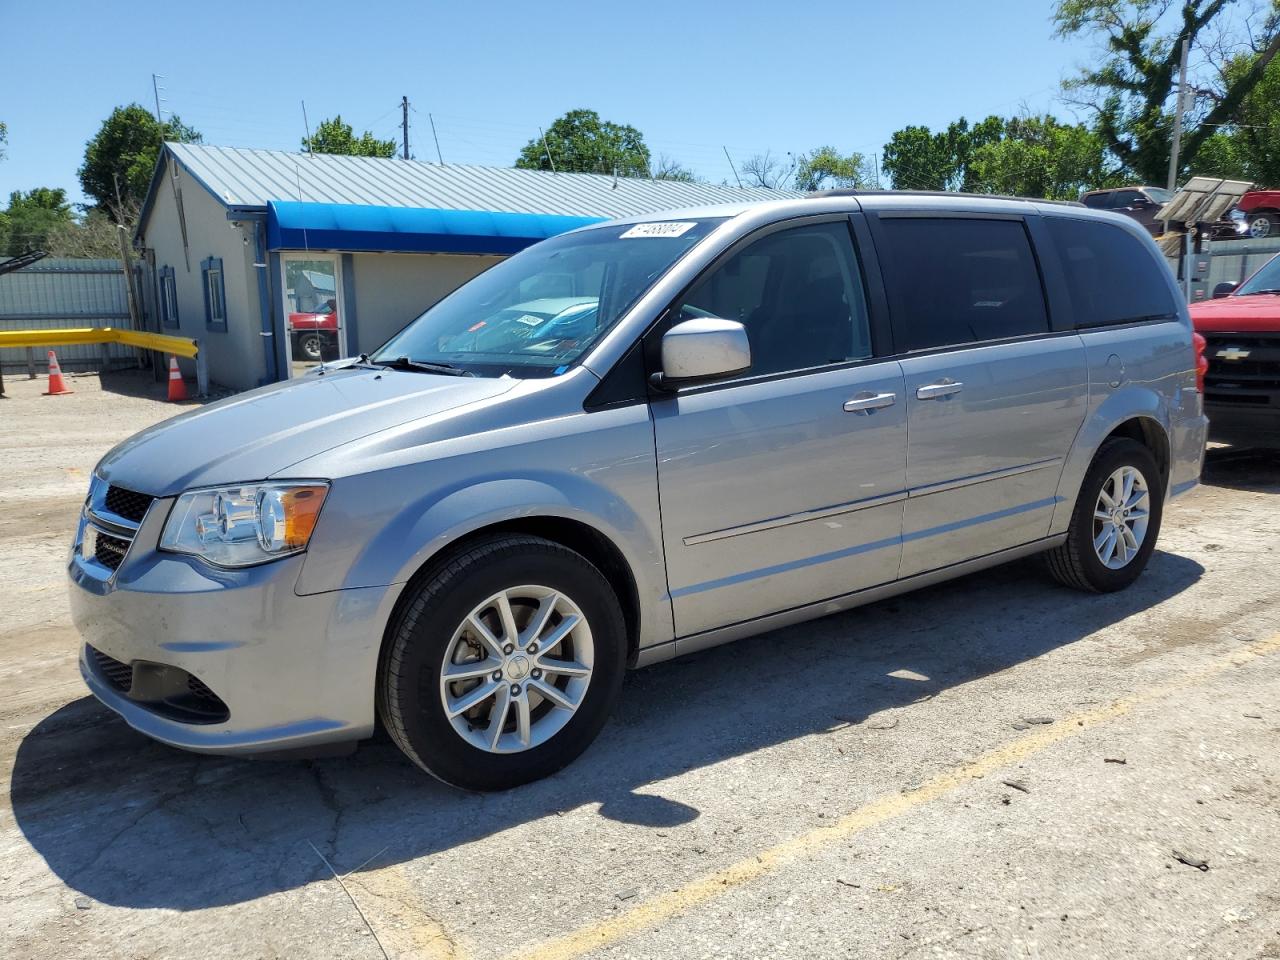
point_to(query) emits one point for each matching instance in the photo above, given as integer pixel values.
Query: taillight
(1202, 364)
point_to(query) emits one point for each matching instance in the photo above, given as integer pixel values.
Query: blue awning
(332, 226)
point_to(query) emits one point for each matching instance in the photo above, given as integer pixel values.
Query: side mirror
(700, 350)
(1223, 289)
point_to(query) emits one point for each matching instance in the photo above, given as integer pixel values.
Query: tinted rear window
(955, 281)
(1097, 200)
(1111, 275)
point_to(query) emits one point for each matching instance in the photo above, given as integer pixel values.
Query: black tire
(310, 346)
(1075, 563)
(409, 701)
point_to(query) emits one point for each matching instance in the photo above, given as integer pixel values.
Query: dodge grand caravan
(629, 442)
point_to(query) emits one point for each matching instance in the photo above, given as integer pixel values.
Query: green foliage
(1021, 156)
(580, 142)
(916, 158)
(4, 138)
(825, 168)
(1249, 148)
(126, 148)
(1040, 157)
(32, 215)
(1130, 88)
(334, 136)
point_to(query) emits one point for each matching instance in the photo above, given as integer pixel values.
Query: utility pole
(404, 124)
(1180, 104)
(155, 89)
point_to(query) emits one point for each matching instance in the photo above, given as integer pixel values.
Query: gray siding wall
(393, 288)
(235, 356)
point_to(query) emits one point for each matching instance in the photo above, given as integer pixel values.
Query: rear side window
(954, 281)
(1097, 200)
(1111, 275)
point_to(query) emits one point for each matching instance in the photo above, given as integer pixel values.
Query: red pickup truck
(315, 335)
(1261, 209)
(1241, 327)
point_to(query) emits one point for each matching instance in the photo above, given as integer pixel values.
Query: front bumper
(293, 672)
(1243, 425)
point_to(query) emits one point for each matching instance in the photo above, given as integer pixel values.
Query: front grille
(119, 675)
(125, 503)
(1249, 374)
(108, 550)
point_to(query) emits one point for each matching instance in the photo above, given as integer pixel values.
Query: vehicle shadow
(132, 823)
(1242, 468)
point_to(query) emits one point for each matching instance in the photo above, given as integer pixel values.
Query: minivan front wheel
(503, 664)
(1115, 522)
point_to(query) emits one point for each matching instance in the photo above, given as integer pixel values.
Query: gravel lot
(879, 784)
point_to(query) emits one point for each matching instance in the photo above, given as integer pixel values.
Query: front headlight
(245, 524)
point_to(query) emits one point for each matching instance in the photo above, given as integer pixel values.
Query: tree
(916, 158)
(766, 170)
(1036, 156)
(124, 151)
(668, 169)
(4, 139)
(334, 136)
(1131, 89)
(93, 236)
(1249, 148)
(580, 142)
(31, 216)
(826, 168)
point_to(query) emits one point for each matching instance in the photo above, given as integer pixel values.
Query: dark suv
(1140, 203)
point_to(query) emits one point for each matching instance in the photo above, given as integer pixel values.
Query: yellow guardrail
(76, 336)
(79, 336)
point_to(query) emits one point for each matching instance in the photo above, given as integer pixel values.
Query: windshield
(1159, 195)
(1266, 280)
(534, 314)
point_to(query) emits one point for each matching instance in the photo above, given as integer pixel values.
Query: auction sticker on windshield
(672, 228)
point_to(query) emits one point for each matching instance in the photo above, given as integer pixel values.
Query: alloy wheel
(517, 669)
(1120, 517)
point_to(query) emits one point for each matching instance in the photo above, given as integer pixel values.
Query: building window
(215, 294)
(168, 298)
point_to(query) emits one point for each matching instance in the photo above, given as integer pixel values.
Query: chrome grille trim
(102, 559)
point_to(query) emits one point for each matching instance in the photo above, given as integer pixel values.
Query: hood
(255, 435)
(1259, 313)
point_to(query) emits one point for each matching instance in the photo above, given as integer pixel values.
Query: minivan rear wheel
(504, 664)
(1115, 521)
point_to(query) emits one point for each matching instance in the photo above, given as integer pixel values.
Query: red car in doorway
(314, 336)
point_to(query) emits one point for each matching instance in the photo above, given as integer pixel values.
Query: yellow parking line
(665, 906)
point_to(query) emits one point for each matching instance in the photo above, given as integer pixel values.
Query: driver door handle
(869, 402)
(939, 390)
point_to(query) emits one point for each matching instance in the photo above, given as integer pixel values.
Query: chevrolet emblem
(1232, 353)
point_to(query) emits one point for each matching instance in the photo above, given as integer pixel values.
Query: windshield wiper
(1266, 290)
(423, 366)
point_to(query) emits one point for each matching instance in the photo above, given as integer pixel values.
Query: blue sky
(693, 77)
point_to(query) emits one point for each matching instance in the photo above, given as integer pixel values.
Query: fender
(1134, 400)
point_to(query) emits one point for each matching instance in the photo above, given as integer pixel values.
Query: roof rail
(854, 192)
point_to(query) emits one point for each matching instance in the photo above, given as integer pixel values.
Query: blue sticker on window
(559, 370)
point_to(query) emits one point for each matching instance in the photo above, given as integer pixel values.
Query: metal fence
(54, 293)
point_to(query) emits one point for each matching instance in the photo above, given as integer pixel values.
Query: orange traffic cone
(57, 386)
(177, 386)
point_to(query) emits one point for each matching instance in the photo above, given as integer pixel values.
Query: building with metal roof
(277, 260)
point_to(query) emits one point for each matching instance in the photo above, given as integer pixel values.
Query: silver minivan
(629, 442)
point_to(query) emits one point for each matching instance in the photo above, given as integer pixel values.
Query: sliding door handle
(938, 391)
(870, 402)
